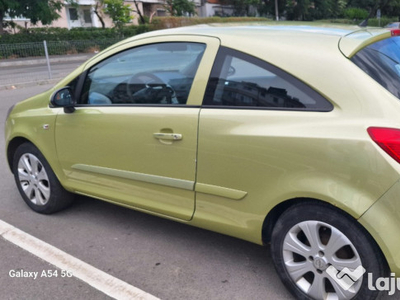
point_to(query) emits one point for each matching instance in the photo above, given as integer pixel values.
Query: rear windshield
(381, 61)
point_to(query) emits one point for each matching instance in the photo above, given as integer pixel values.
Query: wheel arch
(12, 147)
(274, 214)
(18, 141)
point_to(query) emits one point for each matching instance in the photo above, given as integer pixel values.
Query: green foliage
(327, 9)
(36, 10)
(118, 12)
(338, 8)
(367, 5)
(322, 8)
(298, 10)
(63, 34)
(383, 22)
(54, 48)
(6, 5)
(180, 7)
(354, 13)
(392, 9)
(44, 11)
(267, 7)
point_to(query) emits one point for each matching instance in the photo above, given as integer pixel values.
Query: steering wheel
(148, 82)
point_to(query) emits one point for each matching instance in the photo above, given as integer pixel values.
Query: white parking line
(98, 279)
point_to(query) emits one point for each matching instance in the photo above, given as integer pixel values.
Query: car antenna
(364, 23)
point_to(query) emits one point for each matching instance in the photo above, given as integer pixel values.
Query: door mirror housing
(64, 98)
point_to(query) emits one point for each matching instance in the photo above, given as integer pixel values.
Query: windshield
(381, 61)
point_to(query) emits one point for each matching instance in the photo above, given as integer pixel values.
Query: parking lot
(166, 259)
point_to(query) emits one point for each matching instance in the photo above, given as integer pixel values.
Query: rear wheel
(36, 181)
(311, 246)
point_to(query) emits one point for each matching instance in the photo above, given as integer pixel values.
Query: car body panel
(105, 147)
(276, 155)
(33, 120)
(382, 222)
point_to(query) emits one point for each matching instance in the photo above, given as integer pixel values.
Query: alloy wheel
(33, 179)
(309, 249)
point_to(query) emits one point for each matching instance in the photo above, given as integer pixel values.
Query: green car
(279, 135)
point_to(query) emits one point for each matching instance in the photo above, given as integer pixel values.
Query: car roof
(349, 39)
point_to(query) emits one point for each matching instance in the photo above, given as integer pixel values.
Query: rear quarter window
(242, 81)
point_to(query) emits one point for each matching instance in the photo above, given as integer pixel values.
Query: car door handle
(168, 136)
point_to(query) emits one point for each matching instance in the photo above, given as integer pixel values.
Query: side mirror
(64, 98)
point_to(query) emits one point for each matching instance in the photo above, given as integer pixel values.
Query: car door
(132, 138)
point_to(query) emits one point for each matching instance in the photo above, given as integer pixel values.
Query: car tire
(37, 183)
(309, 238)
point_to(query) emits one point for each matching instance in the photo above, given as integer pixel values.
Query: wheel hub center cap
(320, 263)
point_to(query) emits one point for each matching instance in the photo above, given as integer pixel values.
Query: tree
(298, 10)
(270, 7)
(45, 11)
(98, 10)
(118, 12)
(373, 5)
(338, 7)
(142, 20)
(322, 9)
(382, 5)
(393, 9)
(242, 7)
(180, 7)
(5, 6)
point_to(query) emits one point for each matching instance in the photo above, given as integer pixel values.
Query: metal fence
(22, 50)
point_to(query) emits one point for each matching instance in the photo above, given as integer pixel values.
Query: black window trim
(305, 88)
(137, 105)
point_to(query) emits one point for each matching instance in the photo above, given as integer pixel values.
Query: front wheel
(321, 253)
(36, 181)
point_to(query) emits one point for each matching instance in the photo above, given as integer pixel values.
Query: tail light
(395, 32)
(388, 139)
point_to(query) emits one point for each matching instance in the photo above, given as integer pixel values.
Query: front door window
(156, 74)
